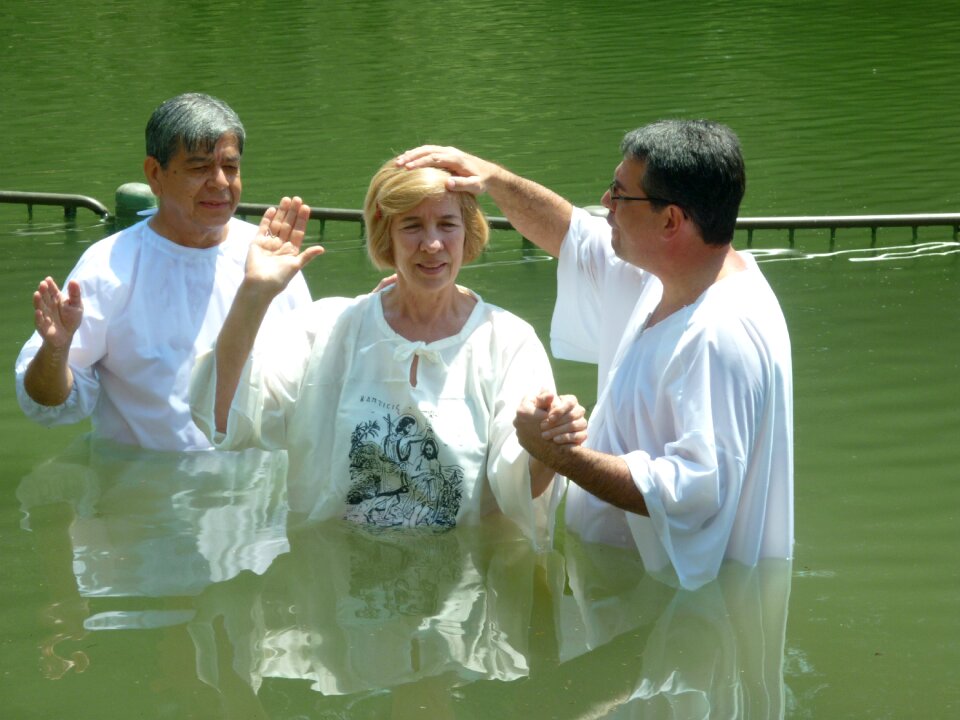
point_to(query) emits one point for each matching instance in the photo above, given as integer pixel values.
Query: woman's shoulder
(505, 326)
(328, 310)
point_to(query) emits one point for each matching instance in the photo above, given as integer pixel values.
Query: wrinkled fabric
(700, 407)
(334, 389)
(149, 306)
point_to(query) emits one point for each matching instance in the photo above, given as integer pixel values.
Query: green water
(842, 108)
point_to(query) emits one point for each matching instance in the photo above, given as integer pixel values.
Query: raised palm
(57, 314)
(275, 255)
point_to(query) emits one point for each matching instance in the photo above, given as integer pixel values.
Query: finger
(544, 402)
(527, 406)
(435, 156)
(417, 153)
(386, 282)
(577, 438)
(268, 215)
(308, 254)
(48, 286)
(286, 219)
(299, 229)
(574, 426)
(470, 184)
(275, 227)
(48, 294)
(558, 416)
(566, 406)
(73, 292)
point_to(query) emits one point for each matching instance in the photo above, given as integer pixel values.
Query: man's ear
(673, 218)
(153, 173)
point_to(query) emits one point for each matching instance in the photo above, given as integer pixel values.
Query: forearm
(48, 378)
(538, 213)
(234, 345)
(540, 477)
(605, 476)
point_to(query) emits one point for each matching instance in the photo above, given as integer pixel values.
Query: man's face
(635, 223)
(197, 193)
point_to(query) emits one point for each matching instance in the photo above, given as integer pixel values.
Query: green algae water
(137, 585)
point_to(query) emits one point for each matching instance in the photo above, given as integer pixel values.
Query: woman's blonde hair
(395, 190)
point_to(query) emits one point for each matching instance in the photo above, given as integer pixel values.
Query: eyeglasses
(614, 197)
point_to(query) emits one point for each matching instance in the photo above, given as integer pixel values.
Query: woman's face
(428, 243)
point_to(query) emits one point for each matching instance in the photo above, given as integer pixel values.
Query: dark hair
(696, 164)
(194, 121)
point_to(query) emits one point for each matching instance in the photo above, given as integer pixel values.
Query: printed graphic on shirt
(397, 477)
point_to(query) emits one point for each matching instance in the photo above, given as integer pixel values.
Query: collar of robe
(406, 351)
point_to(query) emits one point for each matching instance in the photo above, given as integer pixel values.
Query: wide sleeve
(103, 295)
(270, 382)
(524, 369)
(295, 296)
(693, 490)
(584, 256)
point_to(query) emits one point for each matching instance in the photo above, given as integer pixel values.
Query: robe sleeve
(270, 382)
(525, 370)
(102, 295)
(574, 329)
(693, 490)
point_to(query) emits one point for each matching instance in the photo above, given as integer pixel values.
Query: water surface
(126, 596)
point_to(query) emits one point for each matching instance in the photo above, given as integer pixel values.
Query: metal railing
(69, 203)
(324, 214)
(834, 222)
(750, 224)
(791, 224)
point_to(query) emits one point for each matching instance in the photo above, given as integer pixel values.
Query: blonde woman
(396, 407)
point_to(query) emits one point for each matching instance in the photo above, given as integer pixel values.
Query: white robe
(149, 306)
(334, 389)
(699, 406)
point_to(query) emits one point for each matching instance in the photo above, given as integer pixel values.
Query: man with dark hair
(690, 449)
(120, 341)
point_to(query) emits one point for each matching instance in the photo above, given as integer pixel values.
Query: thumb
(73, 292)
(545, 398)
(309, 254)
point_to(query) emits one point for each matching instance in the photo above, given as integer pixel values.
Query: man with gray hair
(120, 341)
(690, 449)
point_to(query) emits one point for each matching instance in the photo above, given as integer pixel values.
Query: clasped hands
(548, 424)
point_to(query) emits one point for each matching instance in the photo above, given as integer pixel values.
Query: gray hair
(696, 164)
(194, 121)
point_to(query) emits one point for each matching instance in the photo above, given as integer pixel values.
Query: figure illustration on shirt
(401, 480)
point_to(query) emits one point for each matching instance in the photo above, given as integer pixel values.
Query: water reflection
(474, 624)
(631, 647)
(114, 521)
(870, 254)
(275, 619)
(354, 611)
